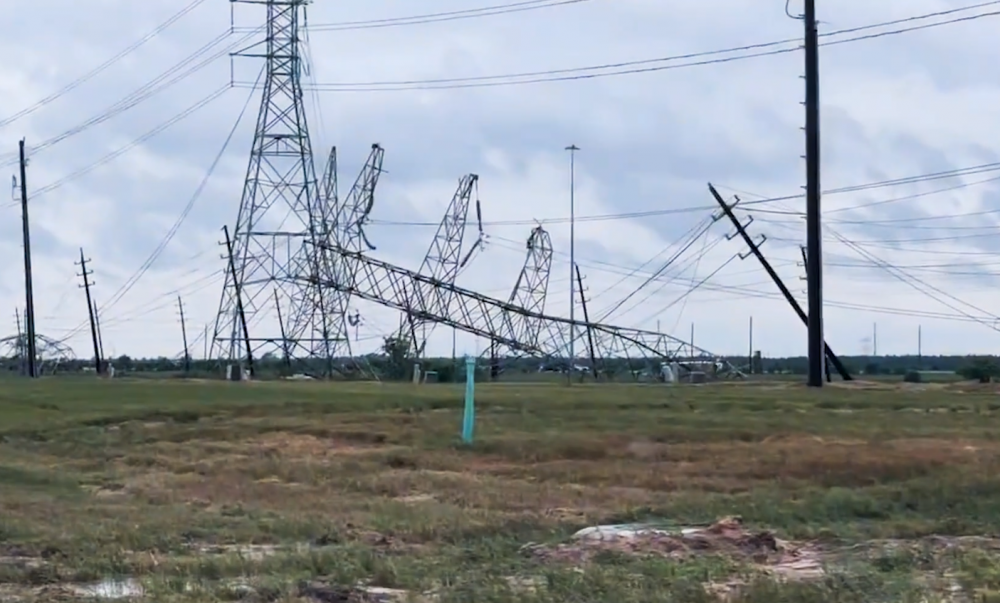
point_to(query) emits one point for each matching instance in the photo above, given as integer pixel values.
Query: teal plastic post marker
(469, 416)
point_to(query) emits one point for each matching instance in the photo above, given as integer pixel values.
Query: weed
(203, 490)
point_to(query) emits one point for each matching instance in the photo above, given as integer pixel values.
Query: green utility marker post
(469, 416)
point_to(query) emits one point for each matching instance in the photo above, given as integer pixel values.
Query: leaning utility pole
(238, 295)
(100, 333)
(29, 312)
(586, 319)
(184, 336)
(741, 231)
(814, 228)
(87, 283)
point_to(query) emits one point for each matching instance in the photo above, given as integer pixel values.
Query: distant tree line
(393, 363)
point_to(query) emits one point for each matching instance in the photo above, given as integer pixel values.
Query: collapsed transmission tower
(279, 228)
(442, 262)
(344, 223)
(493, 319)
(532, 286)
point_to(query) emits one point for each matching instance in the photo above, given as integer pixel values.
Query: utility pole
(184, 336)
(572, 257)
(100, 332)
(741, 230)
(750, 355)
(238, 292)
(87, 283)
(814, 228)
(29, 293)
(20, 339)
(920, 346)
(285, 353)
(205, 336)
(691, 342)
(586, 319)
(875, 339)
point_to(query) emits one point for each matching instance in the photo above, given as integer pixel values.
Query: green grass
(203, 490)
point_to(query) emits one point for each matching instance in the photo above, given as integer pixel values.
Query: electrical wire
(659, 272)
(751, 289)
(985, 318)
(455, 15)
(922, 286)
(172, 76)
(636, 66)
(756, 203)
(172, 232)
(690, 233)
(696, 261)
(191, 110)
(102, 67)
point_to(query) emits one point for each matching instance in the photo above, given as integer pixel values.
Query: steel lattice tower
(277, 255)
(532, 285)
(442, 262)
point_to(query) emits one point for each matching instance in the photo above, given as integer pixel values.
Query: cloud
(893, 107)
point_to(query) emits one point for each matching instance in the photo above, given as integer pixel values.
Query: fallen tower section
(621, 349)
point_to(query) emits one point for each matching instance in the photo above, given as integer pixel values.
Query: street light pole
(572, 258)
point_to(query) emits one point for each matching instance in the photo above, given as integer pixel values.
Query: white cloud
(893, 107)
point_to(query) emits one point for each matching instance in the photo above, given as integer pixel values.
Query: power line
(169, 236)
(748, 289)
(920, 178)
(165, 80)
(102, 67)
(637, 66)
(455, 15)
(138, 141)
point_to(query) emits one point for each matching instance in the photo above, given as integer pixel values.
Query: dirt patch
(727, 537)
(309, 446)
(327, 592)
(863, 385)
(415, 498)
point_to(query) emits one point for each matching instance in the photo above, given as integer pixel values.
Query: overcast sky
(894, 106)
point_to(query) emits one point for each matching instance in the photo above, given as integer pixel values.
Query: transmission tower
(279, 221)
(344, 229)
(442, 262)
(532, 286)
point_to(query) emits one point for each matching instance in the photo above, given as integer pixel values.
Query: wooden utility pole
(87, 283)
(100, 332)
(284, 338)
(238, 290)
(29, 312)
(814, 229)
(184, 336)
(20, 340)
(586, 319)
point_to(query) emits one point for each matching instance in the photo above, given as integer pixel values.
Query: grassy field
(211, 491)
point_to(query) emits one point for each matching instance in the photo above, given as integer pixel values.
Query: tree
(397, 363)
(983, 370)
